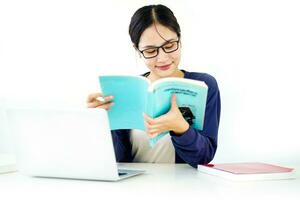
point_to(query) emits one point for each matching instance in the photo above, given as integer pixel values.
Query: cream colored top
(162, 152)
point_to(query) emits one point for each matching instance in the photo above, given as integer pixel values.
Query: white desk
(166, 181)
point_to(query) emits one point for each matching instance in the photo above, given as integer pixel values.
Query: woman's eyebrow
(151, 46)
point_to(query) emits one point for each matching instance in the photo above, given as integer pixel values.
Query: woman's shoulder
(210, 81)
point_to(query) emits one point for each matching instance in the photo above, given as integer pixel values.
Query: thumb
(173, 102)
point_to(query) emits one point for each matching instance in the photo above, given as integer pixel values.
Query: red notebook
(248, 171)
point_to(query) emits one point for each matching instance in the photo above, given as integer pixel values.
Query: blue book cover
(130, 100)
(135, 95)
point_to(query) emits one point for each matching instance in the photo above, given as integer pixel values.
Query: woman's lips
(164, 67)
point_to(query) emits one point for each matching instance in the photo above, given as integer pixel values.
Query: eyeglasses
(168, 47)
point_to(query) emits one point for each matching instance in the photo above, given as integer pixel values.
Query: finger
(153, 135)
(148, 127)
(154, 131)
(93, 96)
(108, 98)
(173, 102)
(173, 98)
(104, 99)
(159, 120)
(155, 126)
(106, 106)
(151, 131)
(148, 119)
(95, 104)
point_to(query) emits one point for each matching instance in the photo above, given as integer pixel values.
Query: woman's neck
(178, 74)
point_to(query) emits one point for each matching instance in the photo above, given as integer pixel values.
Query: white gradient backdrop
(51, 53)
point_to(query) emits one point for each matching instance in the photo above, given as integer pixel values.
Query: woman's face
(164, 64)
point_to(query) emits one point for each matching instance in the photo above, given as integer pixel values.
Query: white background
(51, 53)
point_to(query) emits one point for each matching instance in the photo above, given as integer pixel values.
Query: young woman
(155, 35)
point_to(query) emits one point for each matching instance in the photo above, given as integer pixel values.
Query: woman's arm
(199, 146)
(122, 145)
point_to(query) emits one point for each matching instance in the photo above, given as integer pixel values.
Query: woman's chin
(165, 73)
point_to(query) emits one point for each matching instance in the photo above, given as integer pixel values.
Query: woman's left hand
(171, 121)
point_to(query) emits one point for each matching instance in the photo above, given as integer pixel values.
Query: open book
(135, 95)
(248, 171)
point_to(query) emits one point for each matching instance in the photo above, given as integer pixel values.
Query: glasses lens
(149, 53)
(170, 47)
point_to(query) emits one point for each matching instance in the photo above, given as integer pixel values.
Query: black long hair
(148, 15)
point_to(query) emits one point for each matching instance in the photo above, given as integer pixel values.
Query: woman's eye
(168, 46)
(150, 51)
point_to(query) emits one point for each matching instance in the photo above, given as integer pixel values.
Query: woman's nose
(162, 56)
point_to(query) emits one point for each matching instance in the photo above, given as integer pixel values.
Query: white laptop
(65, 143)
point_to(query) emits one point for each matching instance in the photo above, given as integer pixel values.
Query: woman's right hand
(94, 102)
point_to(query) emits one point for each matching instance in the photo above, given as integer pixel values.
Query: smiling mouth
(164, 67)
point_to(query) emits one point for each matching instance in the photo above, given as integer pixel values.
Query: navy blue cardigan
(194, 146)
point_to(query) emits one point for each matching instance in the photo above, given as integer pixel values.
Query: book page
(191, 99)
